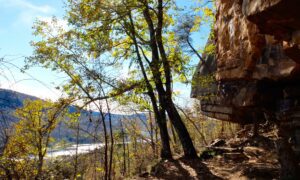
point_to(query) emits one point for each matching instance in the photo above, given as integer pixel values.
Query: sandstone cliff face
(257, 47)
(244, 50)
(280, 19)
(258, 70)
(238, 41)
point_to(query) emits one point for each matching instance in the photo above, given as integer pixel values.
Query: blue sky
(16, 20)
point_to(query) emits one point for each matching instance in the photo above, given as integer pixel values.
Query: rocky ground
(243, 157)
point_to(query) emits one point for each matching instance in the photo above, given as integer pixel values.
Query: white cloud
(39, 92)
(27, 12)
(55, 23)
(26, 5)
(26, 86)
(12, 78)
(26, 18)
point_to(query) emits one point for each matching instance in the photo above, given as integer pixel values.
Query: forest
(151, 89)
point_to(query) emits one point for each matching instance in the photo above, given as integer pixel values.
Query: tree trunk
(165, 96)
(40, 157)
(111, 144)
(152, 134)
(128, 157)
(76, 152)
(40, 167)
(156, 138)
(105, 146)
(184, 136)
(173, 134)
(162, 124)
(124, 149)
(8, 174)
(160, 115)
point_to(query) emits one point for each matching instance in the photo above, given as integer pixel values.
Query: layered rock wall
(257, 78)
(257, 48)
(244, 49)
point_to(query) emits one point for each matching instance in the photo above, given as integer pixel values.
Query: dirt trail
(240, 158)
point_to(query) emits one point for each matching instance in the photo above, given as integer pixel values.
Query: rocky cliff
(258, 66)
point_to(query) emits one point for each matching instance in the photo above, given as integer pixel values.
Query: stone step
(251, 151)
(235, 156)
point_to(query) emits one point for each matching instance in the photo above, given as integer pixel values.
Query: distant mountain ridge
(11, 100)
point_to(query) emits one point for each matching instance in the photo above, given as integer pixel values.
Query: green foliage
(205, 81)
(203, 129)
(207, 154)
(210, 48)
(31, 137)
(99, 41)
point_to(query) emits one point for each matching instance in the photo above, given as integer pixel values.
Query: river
(71, 150)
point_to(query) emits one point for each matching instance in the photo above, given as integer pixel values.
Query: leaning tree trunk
(166, 150)
(184, 136)
(159, 113)
(165, 100)
(186, 141)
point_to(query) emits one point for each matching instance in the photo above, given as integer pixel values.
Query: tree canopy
(104, 37)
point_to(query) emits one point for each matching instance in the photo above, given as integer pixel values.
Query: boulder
(237, 157)
(251, 151)
(218, 143)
